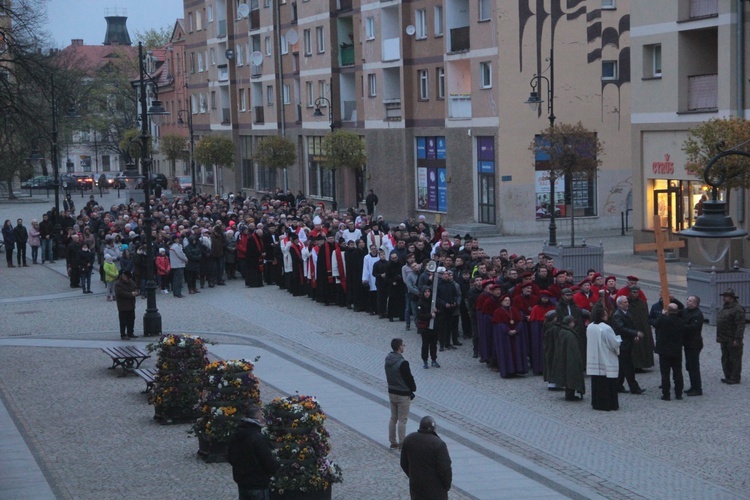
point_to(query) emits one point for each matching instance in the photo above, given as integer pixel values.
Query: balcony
(223, 73)
(344, 5)
(226, 117)
(347, 54)
(350, 111)
(460, 39)
(459, 106)
(258, 115)
(392, 49)
(221, 29)
(703, 92)
(392, 110)
(703, 8)
(254, 19)
(256, 70)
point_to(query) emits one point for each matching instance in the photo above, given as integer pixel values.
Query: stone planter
(708, 283)
(302, 495)
(174, 415)
(579, 258)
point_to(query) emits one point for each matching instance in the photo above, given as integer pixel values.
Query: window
(320, 39)
(319, 177)
(269, 95)
(198, 20)
(372, 85)
(284, 45)
(424, 85)
(609, 70)
(370, 28)
(193, 104)
(307, 41)
(213, 99)
(322, 90)
(243, 103)
(203, 106)
(484, 10)
(267, 43)
(240, 55)
(485, 70)
(200, 62)
(190, 22)
(192, 62)
(213, 57)
(294, 12)
(266, 3)
(608, 4)
(438, 20)
(420, 19)
(285, 94)
(440, 83)
(210, 14)
(653, 55)
(310, 94)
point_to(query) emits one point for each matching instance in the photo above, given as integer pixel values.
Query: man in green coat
(730, 330)
(568, 365)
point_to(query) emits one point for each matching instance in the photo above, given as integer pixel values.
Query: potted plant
(295, 428)
(229, 388)
(177, 385)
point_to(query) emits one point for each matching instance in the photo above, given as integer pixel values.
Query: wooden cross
(660, 245)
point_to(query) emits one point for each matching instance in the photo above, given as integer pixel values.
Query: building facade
(435, 88)
(689, 62)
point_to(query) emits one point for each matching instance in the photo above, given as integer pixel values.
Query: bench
(128, 357)
(148, 375)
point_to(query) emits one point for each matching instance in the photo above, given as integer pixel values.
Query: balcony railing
(703, 8)
(223, 73)
(221, 28)
(392, 49)
(459, 106)
(344, 4)
(392, 110)
(226, 116)
(258, 114)
(256, 70)
(347, 54)
(703, 92)
(350, 111)
(460, 39)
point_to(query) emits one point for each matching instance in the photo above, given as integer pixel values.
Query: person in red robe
(536, 331)
(508, 335)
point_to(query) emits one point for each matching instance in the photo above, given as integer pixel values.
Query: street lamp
(181, 122)
(151, 318)
(535, 103)
(317, 113)
(714, 228)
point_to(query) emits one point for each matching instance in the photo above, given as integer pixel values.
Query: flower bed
(301, 444)
(178, 383)
(229, 388)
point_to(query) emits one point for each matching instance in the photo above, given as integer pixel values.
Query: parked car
(185, 183)
(110, 180)
(84, 182)
(39, 182)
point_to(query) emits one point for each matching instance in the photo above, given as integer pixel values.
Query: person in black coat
(669, 328)
(693, 341)
(250, 455)
(22, 237)
(86, 266)
(9, 239)
(624, 326)
(427, 463)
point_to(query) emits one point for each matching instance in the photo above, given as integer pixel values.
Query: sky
(69, 19)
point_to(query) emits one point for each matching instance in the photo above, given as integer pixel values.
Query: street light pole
(318, 113)
(180, 121)
(535, 102)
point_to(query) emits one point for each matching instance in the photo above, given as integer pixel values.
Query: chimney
(76, 42)
(117, 31)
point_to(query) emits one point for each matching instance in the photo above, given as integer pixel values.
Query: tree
(343, 149)
(173, 147)
(710, 138)
(215, 150)
(154, 38)
(276, 152)
(130, 144)
(573, 151)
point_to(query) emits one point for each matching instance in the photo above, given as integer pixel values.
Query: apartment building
(689, 59)
(436, 89)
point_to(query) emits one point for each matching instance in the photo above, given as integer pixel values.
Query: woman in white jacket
(602, 364)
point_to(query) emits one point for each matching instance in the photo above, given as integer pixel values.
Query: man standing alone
(425, 459)
(249, 453)
(401, 388)
(693, 318)
(22, 237)
(730, 330)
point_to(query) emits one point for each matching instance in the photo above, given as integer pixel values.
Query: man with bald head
(427, 463)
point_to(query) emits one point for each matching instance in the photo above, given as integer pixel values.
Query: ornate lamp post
(535, 102)
(152, 317)
(714, 228)
(181, 123)
(317, 113)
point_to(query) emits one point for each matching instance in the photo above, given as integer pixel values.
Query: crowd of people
(520, 314)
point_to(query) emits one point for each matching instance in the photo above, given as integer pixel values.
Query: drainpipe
(280, 90)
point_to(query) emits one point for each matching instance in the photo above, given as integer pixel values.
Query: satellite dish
(256, 58)
(243, 10)
(292, 37)
(230, 54)
(410, 30)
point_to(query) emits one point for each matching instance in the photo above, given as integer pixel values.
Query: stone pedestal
(708, 283)
(579, 258)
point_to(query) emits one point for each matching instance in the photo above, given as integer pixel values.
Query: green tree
(573, 151)
(276, 151)
(154, 38)
(343, 149)
(215, 150)
(173, 147)
(711, 137)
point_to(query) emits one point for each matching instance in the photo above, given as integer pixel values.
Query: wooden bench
(128, 357)
(148, 375)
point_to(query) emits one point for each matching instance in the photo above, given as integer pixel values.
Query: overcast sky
(68, 19)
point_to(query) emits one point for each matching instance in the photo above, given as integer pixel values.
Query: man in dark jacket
(46, 230)
(401, 388)
(125, 293)
(669, 328)
(22, 237)
(730, 331)
(447, 303)
(623, 326)
(693, 341)
(425, 460)
(249, 453)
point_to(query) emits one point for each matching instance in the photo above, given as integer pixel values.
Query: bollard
(622, 223)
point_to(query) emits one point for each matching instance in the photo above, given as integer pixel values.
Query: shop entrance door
(669, 208)
(486, 198)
